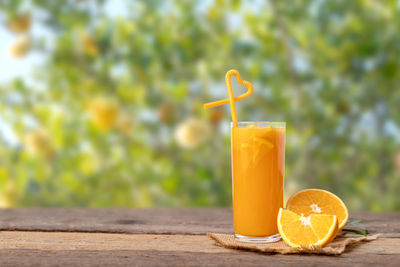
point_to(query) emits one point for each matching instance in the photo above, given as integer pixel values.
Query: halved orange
(318, 201)
(314, 230)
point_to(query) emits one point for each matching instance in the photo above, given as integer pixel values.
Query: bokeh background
(101, 101)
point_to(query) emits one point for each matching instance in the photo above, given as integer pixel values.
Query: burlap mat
(336, 247)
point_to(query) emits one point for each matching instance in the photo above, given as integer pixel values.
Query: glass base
(266, 239)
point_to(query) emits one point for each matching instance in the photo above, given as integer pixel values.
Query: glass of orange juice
(258, 167)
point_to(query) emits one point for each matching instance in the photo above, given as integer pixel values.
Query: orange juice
(258, 165)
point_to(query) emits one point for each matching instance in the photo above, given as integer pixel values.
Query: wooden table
(92, 237)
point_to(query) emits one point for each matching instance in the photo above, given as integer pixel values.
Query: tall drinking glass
(258, 167)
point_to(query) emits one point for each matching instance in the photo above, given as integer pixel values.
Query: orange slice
(317, 201)
(315, 230)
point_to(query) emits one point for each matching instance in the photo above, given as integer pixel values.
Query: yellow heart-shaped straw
(231, 100)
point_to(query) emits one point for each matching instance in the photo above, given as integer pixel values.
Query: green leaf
(355, 223)
(356, 231)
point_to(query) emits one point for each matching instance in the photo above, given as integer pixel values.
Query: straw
(231, 100)
(231, 97)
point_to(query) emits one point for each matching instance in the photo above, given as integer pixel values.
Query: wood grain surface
(95, 249)
(132, 221)
(172, 237)
(154, 221)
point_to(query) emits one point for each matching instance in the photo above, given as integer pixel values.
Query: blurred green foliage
(96, 121)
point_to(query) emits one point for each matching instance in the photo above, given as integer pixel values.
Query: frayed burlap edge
(336, 247)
